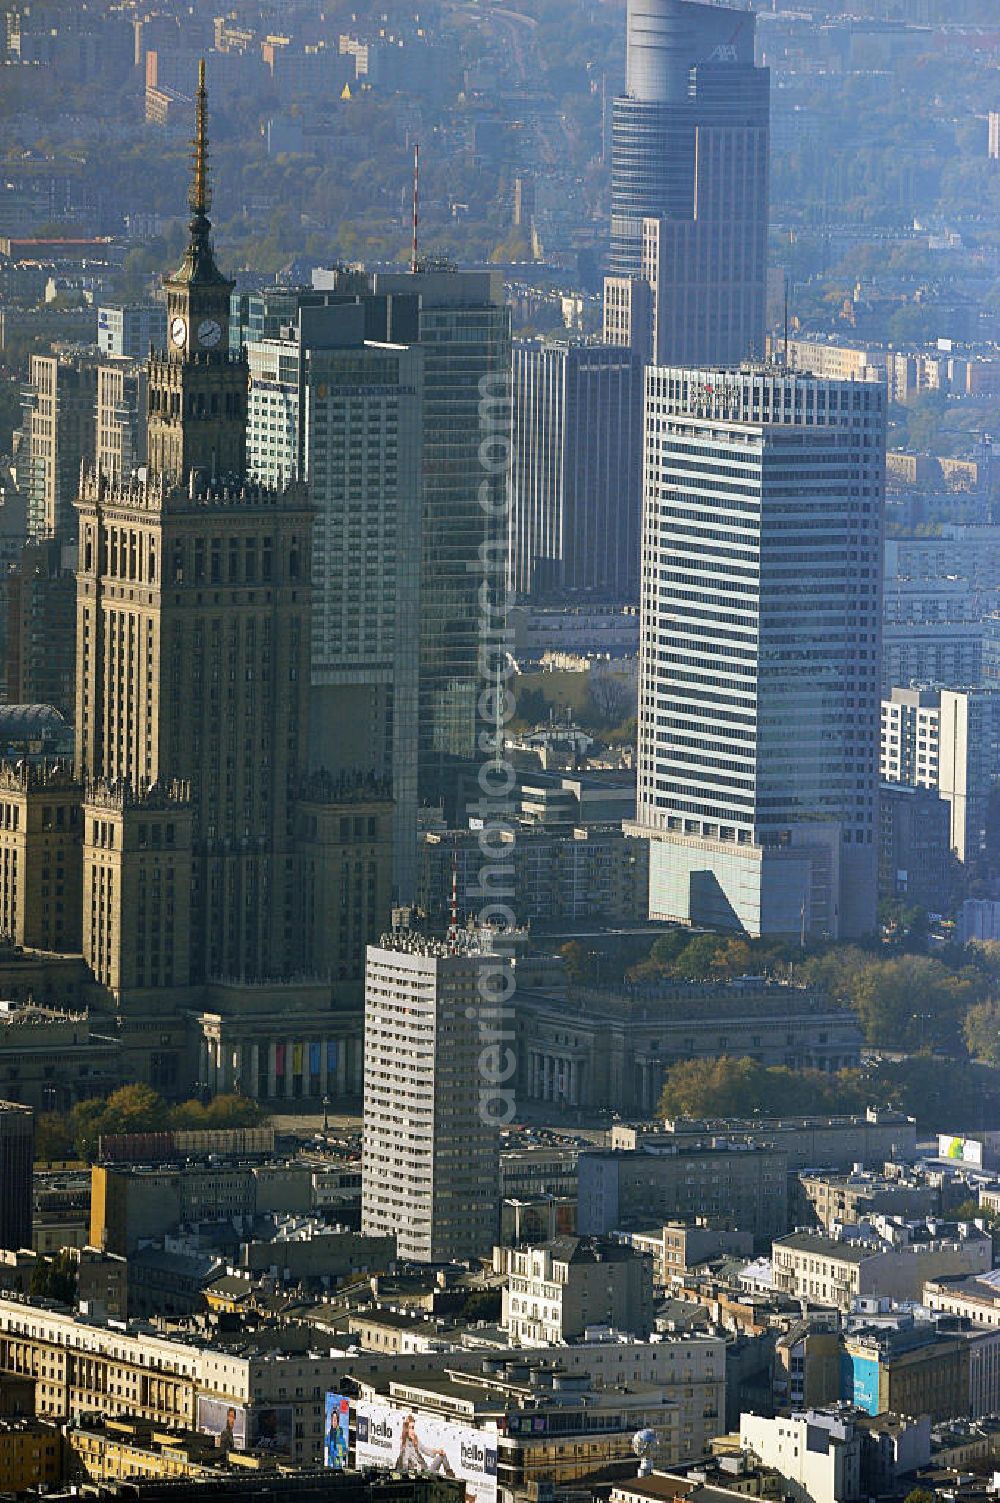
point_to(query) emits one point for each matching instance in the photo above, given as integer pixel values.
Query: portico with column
(557, 1076)
(277, 1052)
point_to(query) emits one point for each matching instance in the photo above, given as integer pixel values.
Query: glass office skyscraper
(760, 650)
(345, 414)
(464, 334)
(689, 173)
(576, 470)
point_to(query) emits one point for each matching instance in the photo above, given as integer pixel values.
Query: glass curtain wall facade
(464, 333)
(759, 667)
(576, 471)
(689, 181)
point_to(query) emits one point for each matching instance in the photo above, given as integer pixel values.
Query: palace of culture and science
(224, 890)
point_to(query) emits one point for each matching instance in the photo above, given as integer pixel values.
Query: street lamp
(326, 1113)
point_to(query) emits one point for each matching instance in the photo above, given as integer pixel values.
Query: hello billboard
(405, 1441)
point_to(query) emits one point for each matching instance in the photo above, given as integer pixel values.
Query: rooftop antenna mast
(416, 205)
(786, 321)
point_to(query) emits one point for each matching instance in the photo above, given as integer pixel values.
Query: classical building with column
(315, 1053)
(613, 1048)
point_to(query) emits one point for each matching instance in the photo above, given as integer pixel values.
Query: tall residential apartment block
(933, 627)
(122, 402)
(576, 470)
(759, 667)
(948, 740)
(363, 440)
(17, 1152)
(430, 1157)
(41, 626)
(689, 185)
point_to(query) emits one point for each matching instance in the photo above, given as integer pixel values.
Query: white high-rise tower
(430, 1158)
(759, 676)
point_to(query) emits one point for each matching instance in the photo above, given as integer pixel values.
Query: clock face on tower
(209, 333)
(178, 331)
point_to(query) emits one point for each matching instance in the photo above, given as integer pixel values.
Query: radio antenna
(416, 205)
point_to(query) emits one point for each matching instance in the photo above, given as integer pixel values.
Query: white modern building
(881, 1258)
(818, 1453)
(556, 1290)
(131, 329)
(439, 1071)
(948, 740)
(760, 650)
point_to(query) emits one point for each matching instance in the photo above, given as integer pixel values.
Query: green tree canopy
(728, 1087)
(138, 1108)
(981, 1031)
(55, 1278)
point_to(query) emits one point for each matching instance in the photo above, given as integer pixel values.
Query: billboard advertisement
(271, 1427)
(859, 1381)
(336, 1429)
(409, 1441)
(227, 1422)
(964, 1150)
(266, 1429)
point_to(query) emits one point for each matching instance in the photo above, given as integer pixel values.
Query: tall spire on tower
(199, 259)
(200, 196)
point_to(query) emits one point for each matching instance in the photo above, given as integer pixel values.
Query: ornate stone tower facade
(223, 897)
(193, 615)
(197, 388)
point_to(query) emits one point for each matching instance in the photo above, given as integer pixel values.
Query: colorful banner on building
(964, 1150)
(336, 1431)
(407, 1440)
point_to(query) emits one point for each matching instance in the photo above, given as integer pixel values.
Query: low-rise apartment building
(132, 1203)
(680, 1245)
(851, 1197)
(818, 1453)
(31, 1453)
(736, 1185)
(885, 1258)
(820, 1141)
(558, 1289)
(975, 1298)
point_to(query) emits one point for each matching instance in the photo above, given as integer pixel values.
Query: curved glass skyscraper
(689, 169)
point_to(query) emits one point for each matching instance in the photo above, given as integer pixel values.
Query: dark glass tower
(689, 179)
